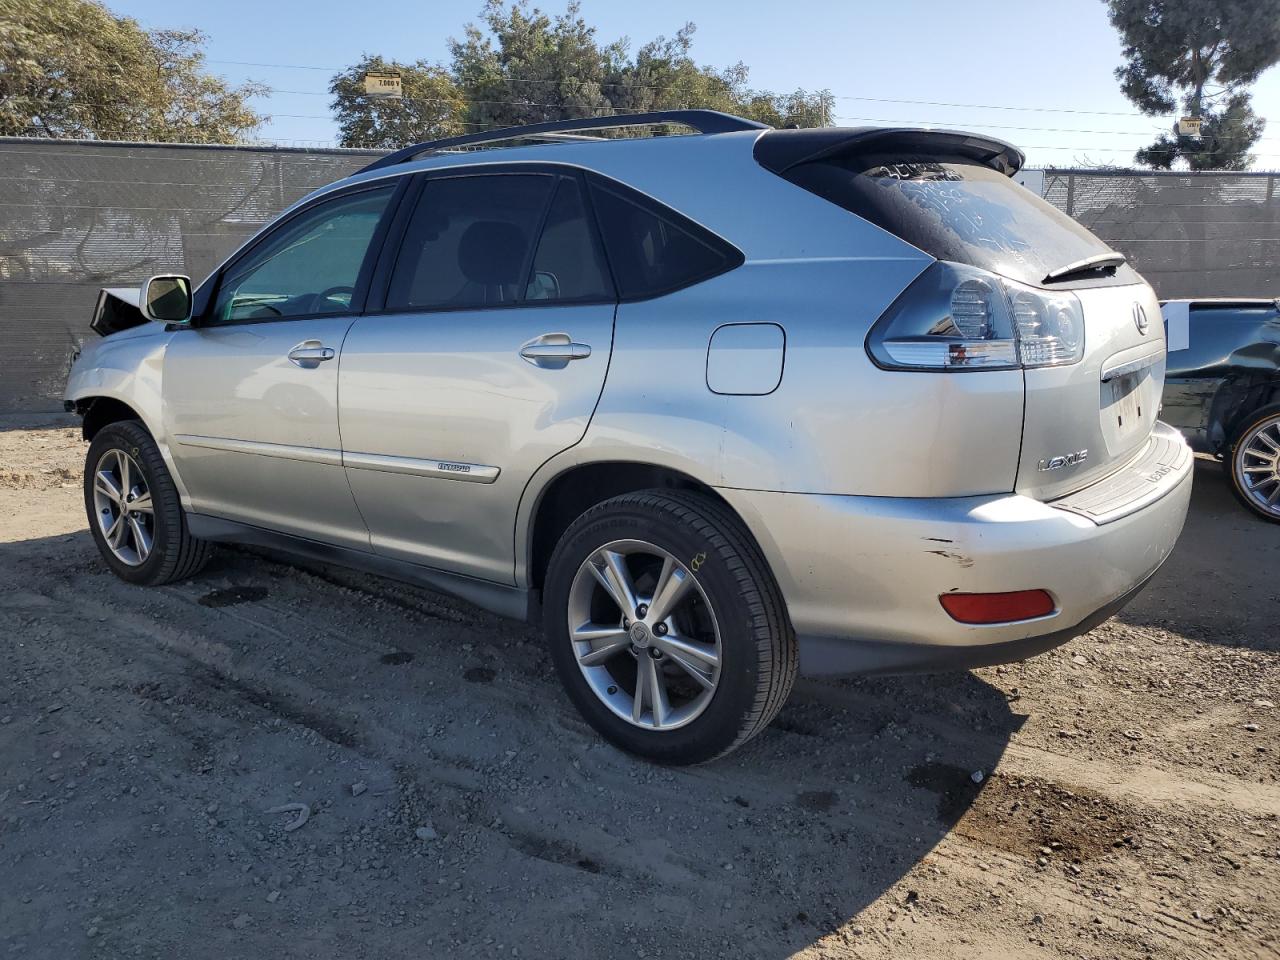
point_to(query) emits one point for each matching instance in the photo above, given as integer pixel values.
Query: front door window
(309, 267)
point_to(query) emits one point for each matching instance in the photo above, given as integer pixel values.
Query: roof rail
(704, 121)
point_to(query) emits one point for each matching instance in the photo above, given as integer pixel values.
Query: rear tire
(726, 655)
(135, 514)
(1252, 463)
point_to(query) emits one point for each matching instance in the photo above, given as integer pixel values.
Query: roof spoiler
(704, 121)
(781, 150)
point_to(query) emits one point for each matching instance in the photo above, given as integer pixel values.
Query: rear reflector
(997, 607)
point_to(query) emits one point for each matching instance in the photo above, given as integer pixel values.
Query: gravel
(458, 806)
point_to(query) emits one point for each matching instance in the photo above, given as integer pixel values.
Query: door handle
(310, 353)
(553, 351)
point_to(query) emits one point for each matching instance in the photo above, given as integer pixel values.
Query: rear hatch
(1084, 420)
(1090, 399)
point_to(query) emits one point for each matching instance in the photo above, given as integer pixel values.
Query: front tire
(1253, 463)
(135, 514)
(667, 628)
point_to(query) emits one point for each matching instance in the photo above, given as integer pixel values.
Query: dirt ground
(1128, 804)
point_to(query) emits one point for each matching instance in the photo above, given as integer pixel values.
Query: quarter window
(654, 252)
(310, 266)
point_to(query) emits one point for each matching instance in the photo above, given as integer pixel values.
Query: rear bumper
(862, 575)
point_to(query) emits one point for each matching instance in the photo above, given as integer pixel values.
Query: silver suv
(715, 408)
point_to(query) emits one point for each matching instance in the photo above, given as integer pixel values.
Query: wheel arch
(97, 412)
(1247, 417)
(101, 408)
(574, 490)
(1235, 404)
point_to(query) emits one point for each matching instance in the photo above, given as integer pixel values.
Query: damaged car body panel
(1228, 368)
(116, 310)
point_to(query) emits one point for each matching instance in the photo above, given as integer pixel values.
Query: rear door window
(959, 211)
(652, 249)
(567, 266)
(470, 242)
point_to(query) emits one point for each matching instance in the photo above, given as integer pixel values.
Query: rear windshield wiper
(1102, 261)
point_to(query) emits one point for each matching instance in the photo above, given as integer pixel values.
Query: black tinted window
(654, 253)
(469, 242)
(308, 266)
(959, 211)
(567, 265)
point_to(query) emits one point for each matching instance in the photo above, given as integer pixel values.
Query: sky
(1038, 74)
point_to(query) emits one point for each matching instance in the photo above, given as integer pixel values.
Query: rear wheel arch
(579, 488)
(729, 634)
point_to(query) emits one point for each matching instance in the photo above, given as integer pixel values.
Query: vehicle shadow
(859, 781)
(262, 681)
(1220, 584)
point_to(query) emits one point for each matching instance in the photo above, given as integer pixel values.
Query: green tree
(520, 65)
(70, 68)
(526, 67)
(1202, 55)
(664, 76)
(430, 105)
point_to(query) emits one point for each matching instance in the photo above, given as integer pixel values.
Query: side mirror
(167, 298)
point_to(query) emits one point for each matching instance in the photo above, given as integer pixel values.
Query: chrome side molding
(442, 469)
(261, 448)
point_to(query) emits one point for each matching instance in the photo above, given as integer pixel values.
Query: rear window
(655, 250)
(960, 211)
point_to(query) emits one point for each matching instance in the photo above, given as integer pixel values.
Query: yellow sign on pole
(1190, 127)
(383, 86)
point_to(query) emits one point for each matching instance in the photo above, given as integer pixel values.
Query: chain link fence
(1190, 235)
(79, 215)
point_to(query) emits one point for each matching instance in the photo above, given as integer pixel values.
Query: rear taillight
(956, 317)
(997, 607)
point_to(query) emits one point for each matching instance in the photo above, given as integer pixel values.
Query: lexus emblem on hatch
(1140, 318)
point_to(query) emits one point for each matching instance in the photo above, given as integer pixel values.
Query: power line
(280, 66)
(615, 110)
(526, 103)
(1194, 240)
(998, 126)
(644, 86)
(1093, 149)
(992, 106)
(608, 110)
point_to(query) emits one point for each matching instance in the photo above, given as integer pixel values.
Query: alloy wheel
(644, 635)
(123, 507)
(1257, 465)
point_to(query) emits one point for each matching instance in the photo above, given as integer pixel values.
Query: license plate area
(1126, 402)
(1128, 409)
